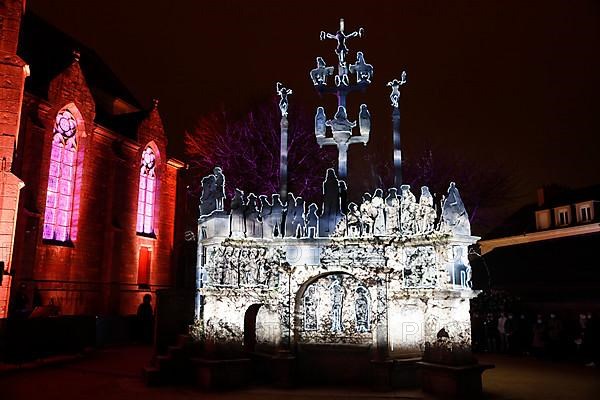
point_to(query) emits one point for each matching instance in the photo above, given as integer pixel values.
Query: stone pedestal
(283, 369)
(460, 382)
(215, 225)
(381, 370)
(394, 374)
(404, 373)
(221, 374)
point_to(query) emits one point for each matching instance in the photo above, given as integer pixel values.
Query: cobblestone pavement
(115, 374)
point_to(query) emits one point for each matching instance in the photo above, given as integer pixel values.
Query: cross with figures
(340, 126)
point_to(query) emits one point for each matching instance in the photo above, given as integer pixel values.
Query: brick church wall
(96, 273)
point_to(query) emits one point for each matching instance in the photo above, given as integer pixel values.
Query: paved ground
(115, 374)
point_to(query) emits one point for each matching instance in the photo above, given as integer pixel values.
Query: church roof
(49, 51)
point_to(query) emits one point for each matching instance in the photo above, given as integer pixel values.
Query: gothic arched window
(146, 193)
(61, 178)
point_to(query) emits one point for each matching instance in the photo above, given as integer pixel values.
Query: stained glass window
(146, 193)
(61, 178)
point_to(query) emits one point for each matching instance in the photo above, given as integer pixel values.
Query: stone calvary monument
(338, 291)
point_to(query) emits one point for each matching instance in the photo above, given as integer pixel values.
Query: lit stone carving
(311, 302)
(363, 71)
(237, 224)
(362, 309)
(337, 294)
(319, 74)
(379, 273)
(454, 215)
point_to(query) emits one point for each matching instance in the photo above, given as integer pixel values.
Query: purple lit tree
(484, 190)
(246, 146)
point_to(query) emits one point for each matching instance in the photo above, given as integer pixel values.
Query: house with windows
(89, 206)
(547, 253)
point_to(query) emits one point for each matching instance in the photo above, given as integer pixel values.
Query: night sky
(510, 82)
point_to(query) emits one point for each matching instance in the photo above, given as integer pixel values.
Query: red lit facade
(77, 242)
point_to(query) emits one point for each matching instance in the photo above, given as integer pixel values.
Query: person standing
(501, 326)
(145, 319)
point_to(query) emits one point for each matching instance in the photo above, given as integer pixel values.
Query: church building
(88, 193)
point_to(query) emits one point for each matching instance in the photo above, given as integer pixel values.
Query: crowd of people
(569, 337)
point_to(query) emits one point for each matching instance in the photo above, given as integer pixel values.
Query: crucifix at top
(340, 126)
(341, 49)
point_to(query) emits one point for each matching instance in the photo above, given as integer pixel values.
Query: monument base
(394, 374)
(221, 374)
(283, 369)
(449, 381)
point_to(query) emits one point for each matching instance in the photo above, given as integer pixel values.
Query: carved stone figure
(283, 93)
(340, 122)
(277, 215)
(366, 213)
(337, 294)
(341, 49)
(219, 187)
(361, 308)
(461, 274)
(419, 267)
(208, 202)
(290, 210)
(454, 215)
(229, 273)
(363, 71)
(320, 120)
(268, 223)
(364, 120)
(392, 212)
(319, 74)
(312, 221)
(299, 217)
(408, 208)
(377, 205)
(237, 227)
(251, 217)
(353, 221)
(427, 212)
(343, 197)
(311, 303)
(331, 204)
(395, 85)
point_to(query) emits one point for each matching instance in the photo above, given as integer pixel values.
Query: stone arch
(299, 303)
(261, 329)
(250, 326)
(65, 174)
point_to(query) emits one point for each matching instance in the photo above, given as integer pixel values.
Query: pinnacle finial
(76, 55)
(155, 103)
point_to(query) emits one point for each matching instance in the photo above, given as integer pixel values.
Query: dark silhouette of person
(145, 317)
(20, 303)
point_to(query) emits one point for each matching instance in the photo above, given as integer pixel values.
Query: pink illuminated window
(61, 178)
(146, 193)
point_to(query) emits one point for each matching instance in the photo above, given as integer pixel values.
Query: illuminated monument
(340, 292)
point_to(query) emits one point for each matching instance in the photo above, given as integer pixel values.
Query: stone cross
(283, 93)
(395, 99)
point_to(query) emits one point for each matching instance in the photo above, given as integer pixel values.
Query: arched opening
(60, 215)
(147, 190)
(333, 329)
(250, 327)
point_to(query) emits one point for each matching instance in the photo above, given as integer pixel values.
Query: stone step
(184, 340)
(221, 374)
(151, 376)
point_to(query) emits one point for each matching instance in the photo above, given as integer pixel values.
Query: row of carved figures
(234, 266)
(394, 214)
(337, 294)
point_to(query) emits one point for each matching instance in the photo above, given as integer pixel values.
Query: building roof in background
(49, 51)
(523, 220)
